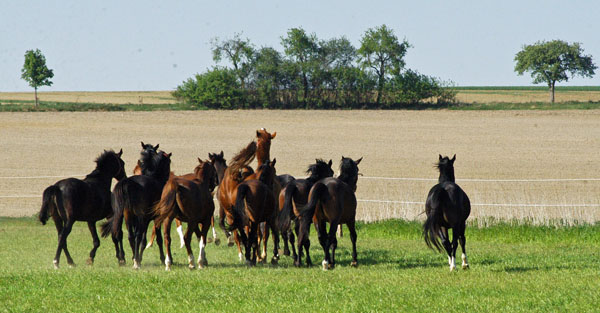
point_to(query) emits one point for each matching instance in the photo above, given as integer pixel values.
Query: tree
(303, 49)
(218, 88)
(35, 72)
(552, 61)
(239, 52)
(382, 52)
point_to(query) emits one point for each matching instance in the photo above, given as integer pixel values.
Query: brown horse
(255, 204)
(239, 171)
(292, 199)
(332, 200)
(133, 199)
(87, 200)
(189, 199)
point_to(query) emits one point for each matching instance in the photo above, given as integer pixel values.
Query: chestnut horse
(255, 204)
(189, 199)
(87, 200)
(237, 172)
(133, 199)
(332, 200)
(447, 206)
(292, 199)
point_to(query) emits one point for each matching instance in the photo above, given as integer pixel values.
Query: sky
(156, 45)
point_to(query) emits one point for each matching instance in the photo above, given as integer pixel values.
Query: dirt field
(400, 144)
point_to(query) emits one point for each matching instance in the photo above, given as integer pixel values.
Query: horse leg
(340, 231)
(322, 234)
(159, 241)
(131, 235)
(167, 237)
(152, 237)
(187, 241)
(214, 231)
(180, 232)
(286, 248)
(253, 242)
(67, 231)
(275, 231)
(461, 240)
(454, 245)
(292, 239)
(332, 243)
(236, 239)
(202, 262)
(96, 240)
(264, 234)
(144, 231)
(58, 222)
(137, 242)
(448, 246)
(352, 229)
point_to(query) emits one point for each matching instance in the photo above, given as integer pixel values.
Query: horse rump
(50, 200)
(436, 200)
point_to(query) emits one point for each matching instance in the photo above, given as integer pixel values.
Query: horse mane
(314, 170)
(161, 168)
(103, 162)
(348, 171)
(242, 159)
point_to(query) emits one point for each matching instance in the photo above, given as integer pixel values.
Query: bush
(216, 89)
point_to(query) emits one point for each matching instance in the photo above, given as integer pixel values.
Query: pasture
(521, 256)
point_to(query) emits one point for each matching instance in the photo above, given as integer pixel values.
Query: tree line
(311, 73)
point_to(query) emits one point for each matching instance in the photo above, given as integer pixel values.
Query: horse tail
(284, 218)
(438, 197)
(239, 209)
(318, 192)
(120, 200)
(242, 159)
(167, 203)
(50, 199)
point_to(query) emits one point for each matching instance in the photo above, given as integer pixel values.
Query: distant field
(148, 100)
(399, 150)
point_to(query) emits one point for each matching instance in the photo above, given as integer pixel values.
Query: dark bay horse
(189, 199)
(292, 199)
(255, 204)
(133, 199)
(87, 200)
(332, 200)
(447, 206)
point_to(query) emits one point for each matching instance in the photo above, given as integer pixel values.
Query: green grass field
(513, 269)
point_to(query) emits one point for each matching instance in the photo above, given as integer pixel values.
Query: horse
(88, 200)
(239, 171)
(189, 199)
(292, 199)
(133, 199)
(255, 204)
(447, 206)
(146, 155)
(332, 200)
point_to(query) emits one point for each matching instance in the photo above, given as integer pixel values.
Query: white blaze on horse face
(180, 232)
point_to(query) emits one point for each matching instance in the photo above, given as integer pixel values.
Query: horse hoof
(209, 240)
(354, 264)
(149, 245)
(331, 266)
(465, 266)
(286, 252)
(452, 268)
(217, 241)
(168, 268)
(191, 266)
(55, 263)
(90, 261)
(325, 265)
(274, 261)
(182, 245)
(202, 264)
(121, 262)
(72, 265)
(230, 244)
(249, 263)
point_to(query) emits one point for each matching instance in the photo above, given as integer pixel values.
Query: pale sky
(155, 45)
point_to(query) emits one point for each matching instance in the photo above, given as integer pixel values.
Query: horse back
(339, 204)
(84, 201)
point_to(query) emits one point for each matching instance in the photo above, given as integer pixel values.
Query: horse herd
(252, 205)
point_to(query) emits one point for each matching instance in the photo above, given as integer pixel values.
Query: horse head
(220, 164)
(446, 167)
(206, 173)
(263, 138)
(349, 171)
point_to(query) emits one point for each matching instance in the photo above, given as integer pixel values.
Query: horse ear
(199, 160)
(258, 134)
(156, 147)
(142, 144)
(273, 135)
(221, 154)
(440, 157)
(453, 158)
(120, 152)
(169, 155)
(358, 161)
(273, 162)
(210, 155)
(330, 163)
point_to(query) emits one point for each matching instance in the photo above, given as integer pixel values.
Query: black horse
(133, 199)
(332, 200)
(292, 199)
(447, 207)
(87, 200)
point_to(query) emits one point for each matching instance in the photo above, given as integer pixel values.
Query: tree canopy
(553, 61)
(35, 72)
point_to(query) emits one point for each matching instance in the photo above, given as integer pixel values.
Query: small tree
(552, 61)
(35, 71)
(239, 52)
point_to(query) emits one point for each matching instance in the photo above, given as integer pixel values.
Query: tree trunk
(552, 92)
(36, 98)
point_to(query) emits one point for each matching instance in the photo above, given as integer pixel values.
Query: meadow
(513, 268)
